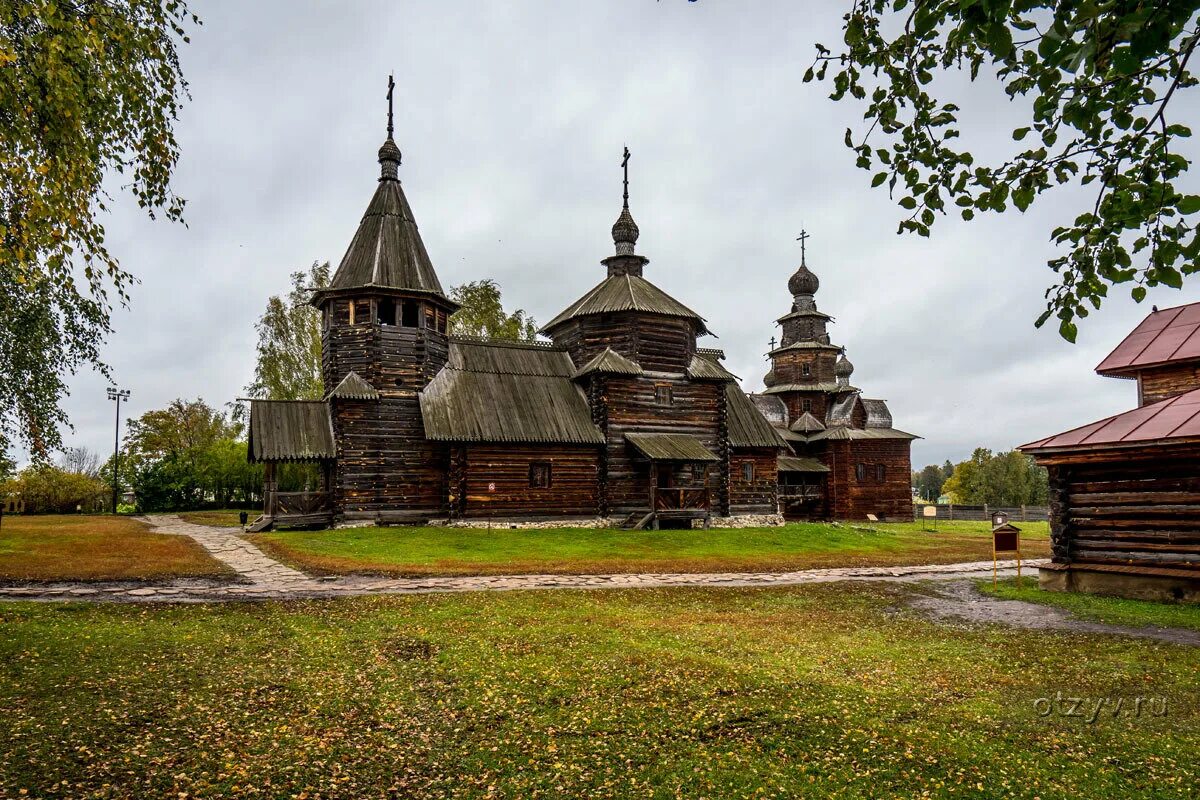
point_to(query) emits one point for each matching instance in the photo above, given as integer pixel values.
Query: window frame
(537, 469)
(664, 395)
(748, 471)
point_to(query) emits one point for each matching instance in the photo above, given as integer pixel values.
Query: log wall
(760, 495)
(851, 498)
(656, 342)
(573, 489)
(1161, 383)
(1136, 508)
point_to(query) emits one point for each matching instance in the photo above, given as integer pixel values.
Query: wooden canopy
(626, 293)
(795, 464)
(290, 430)
(670, 447)
(353, 387)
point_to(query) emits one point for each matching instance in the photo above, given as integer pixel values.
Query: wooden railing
(299, 503)
(800, 492)
(680, 499)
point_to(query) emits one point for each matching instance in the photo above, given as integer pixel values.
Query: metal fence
(984, 512)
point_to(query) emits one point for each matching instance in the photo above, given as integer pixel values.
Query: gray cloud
(511, 118)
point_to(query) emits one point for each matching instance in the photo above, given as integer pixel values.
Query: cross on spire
(802, 239)
(625, 167)
(772, 342)
(391, 88)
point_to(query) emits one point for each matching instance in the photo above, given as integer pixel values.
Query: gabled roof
(704, 368)
(1174, 418)
(387, 251)
(878, 415)
(353, 387)
(747, 426)
(772, 408)
(1172, 334)
(290, 430)
(626, 293)
(506, 392)
(670, 447)
(807, 423)
(609, 362)
(841, 412)
(796, 464)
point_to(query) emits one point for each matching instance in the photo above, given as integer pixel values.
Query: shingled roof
(387, 251)
(625, 293)
(670, 447)
(747, 425)
(290, 430)
(507, 392)
(609, 362)
(1166, 336)
(705, 368)
(353, 387)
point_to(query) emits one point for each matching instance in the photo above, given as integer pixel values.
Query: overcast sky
(511, 117)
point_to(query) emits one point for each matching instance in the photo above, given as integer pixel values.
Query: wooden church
(619, 418)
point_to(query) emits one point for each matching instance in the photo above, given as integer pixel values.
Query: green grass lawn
(1110, 610)
(221, 517)
(52, 547)
(819, 691)
(472, 551)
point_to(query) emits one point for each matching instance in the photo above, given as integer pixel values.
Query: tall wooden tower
(384, 337)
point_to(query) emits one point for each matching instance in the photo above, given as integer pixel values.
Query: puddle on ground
(962, 601)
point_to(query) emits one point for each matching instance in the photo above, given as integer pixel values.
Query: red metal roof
(1174, 418)
(1172, 334)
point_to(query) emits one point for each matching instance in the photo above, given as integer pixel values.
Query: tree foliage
(47, 488)
(189, 455)
(87, 89)
(483, 314)
(1100, 76)
(1002, 479)
(288, 365)
(928, 481)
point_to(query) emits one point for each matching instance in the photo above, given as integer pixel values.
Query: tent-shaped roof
(290, 430)
(353, 387)
(387, 251)
(1174, 418)
(747, 425)
(625, 293)
(807, 423)
(506, 392)
(609, 362)
(670, 447)
(1172, 334)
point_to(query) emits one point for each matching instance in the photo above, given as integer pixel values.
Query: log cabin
(1125, 491)
(617, 416)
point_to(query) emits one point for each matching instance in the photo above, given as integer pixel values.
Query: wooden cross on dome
(625, 167)
(802, 238)
(391, 88)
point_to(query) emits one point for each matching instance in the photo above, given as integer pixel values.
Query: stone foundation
(587, 522)
(1120, 584)
(742, 521)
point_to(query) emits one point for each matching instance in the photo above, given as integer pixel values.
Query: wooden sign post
(1006, 538)
(930, 511)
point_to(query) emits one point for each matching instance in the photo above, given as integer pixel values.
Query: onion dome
(625, 232)
(771, 378)
(389, 160)
(803, 281)
(843, 368)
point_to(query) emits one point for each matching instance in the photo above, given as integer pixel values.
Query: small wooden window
(748, 471)
(387, 311)
(408, 314)
(881, 472)
(806, 370)
(663, 396)
(441, 321)
(860, 472)
(807, 404)
(539, 475)
(429, 318)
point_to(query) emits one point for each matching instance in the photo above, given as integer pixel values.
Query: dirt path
(961, 600)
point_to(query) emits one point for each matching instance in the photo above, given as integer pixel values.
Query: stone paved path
(260, 577)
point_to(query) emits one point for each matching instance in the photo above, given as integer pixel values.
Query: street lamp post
(118, 395)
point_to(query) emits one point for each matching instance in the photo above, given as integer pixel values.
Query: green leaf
(1139, 293)
(1189, 204)
(879, 178)
(909, 203)
(1020, 133)
(1068, 331)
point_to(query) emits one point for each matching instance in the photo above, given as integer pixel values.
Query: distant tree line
(997, 479)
